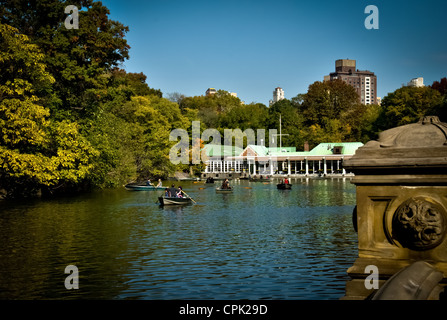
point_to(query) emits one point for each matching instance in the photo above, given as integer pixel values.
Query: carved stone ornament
(419, 224)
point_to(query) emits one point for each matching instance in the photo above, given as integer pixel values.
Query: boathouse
(233, 162)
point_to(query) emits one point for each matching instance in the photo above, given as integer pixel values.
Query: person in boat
(167, 193)
(173, 191)
(225, 184)
(149, 183)
(159, 183)
(286, 181)
(180, 192)
(210, 180)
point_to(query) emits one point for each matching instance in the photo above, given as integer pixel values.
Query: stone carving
(419, 224)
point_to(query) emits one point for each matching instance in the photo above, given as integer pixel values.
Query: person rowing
(180, 192)
(225, 184)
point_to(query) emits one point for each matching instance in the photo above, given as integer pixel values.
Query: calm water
(257, 243)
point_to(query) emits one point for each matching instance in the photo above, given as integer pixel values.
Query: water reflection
(255, 243)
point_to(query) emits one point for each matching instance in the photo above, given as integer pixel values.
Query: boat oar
(188, 196)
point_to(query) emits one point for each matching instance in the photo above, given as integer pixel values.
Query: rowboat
(228, 190)
(284, 186)
(136, 187)
(165, 201)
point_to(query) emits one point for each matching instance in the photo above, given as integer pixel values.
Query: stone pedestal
(401, 212)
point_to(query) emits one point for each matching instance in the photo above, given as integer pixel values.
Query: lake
(256, 243)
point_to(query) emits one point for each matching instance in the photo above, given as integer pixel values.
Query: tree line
(71, 119)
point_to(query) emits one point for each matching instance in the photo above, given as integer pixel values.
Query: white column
(289, 167)
(271, 166)
(307, 167)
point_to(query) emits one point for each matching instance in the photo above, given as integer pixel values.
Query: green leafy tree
(327, 100)
(78, 59)
(330, 111)
(210, 108)
(252, 116)
(35, 152)
(291, 123)
(407, 105)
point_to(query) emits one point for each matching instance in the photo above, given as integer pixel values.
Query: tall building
(278, 94)
(210, 91)
(363, 81)
(416, 82)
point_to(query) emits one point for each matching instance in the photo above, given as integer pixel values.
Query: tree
(330, 111)
(441, 110)
(407, 105)
(129, 85)
(291, 123)
(210, 108)
(78, 59)
(176, 97)
(327, 100)
(251, 116)
(35, 152)
(440, 86)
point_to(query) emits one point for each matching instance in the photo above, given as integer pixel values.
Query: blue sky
(252, 47)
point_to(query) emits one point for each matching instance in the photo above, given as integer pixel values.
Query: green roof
(260, 150)
(326, 149)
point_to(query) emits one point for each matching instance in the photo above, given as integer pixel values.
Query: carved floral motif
(419, 224)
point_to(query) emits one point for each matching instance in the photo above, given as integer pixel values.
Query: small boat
(284, 186)
(226, 190)
(137, 187)
(165, 201)
(209, 181)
